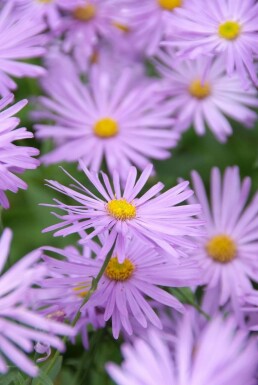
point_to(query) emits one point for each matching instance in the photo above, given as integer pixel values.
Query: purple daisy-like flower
(225, 28)
(153, 217)
(123, 289)
(13, 159)
(48, 9)
(228, 254)
(151, 361)
(205, 96)
(21, 39)
(120, 120)
(19, 326)
(90, 21)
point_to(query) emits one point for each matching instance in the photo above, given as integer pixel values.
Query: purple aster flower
(228, 254)
(225, 28)
(89, 22)
(45, 9)
(153, 217)
(19, 326)
(123, 289)
(205, 96)
(13, 159)
(21, 39)
(120, 120)
(219, 355)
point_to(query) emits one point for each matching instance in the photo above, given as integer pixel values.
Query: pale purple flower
(228, 254)
(205, 96)
(88, 23)
(218, 355)
(21, 39)
(123, 289)
(121, 120)
(13, 158)
(19, 326)
(50, 10)
(223, 28)
(154, 217)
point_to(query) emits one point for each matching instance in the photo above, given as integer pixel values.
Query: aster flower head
(13, 159)
(123, 290)
(203, 95)
(153, 217)
(120, 120)
(228, 254)
(21, 38)
(21, 327)
(223, 28)
(190, 362)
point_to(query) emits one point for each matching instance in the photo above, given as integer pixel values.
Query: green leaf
(42, 378)
(8, 379)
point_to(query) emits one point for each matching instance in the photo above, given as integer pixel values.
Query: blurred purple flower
(203, 95)
(13, 159)
(117, 118)
(19, 326)
(219, 355)
(21, 39)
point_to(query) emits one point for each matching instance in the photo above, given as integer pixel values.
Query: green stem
(192, 303)
(94, 286)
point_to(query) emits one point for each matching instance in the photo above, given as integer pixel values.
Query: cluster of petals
(217, 355)
(153, 217)
(20, 327)
(228, 253)
(123, 289)
(13, 159)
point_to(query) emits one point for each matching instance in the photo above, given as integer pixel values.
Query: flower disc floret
(221, 248)
(229, 30)
(169, 5)
(106, 128)
(85, 13)
(119, 271)
(121, 209)
(199, 90)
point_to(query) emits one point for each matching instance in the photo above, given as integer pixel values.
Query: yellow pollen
(221, 248)
(199, 90)
(121, 27)
(79, 290)
(121, 209)
(106, 128)
(170, 5)
(229, 30)
(119, 271)
(85, 13)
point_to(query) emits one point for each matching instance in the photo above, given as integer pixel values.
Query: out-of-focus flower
(228, 29)
(19, 326)
(123, 289)
(228, 254)
(13, 159)
(219, 355)
(155, 218)
(49, 10)
(21, 39)
(204, 95)
(120, 120)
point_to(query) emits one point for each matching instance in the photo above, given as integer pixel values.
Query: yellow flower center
(119, 271)
(121, 209)
(229, 30)
(199, 90)
(170, 5)
(85, 13)
(106, 128)
(221, 248)
(45, 1)
(80, 290)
